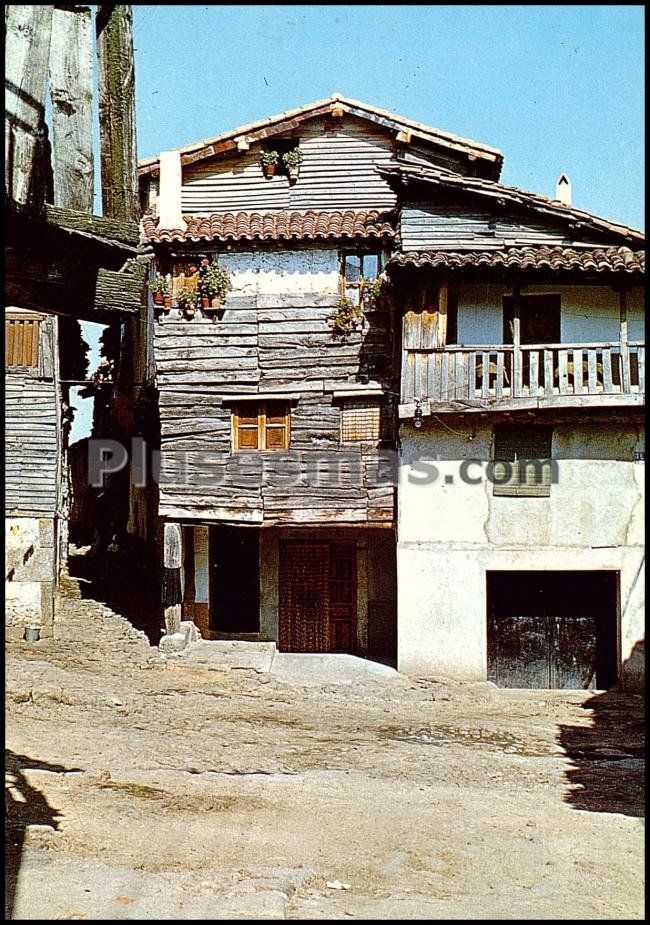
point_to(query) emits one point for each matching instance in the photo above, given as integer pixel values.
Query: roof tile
(274, 226)
(595, 260)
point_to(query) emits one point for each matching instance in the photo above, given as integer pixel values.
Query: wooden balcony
(505, 377)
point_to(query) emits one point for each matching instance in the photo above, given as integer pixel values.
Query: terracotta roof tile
(275, 226)
(595, 259)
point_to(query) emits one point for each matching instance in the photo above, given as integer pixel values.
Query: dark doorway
(552, 629)
(539, 319)
(234, 580)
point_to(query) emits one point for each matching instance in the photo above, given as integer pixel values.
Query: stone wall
(30, 574)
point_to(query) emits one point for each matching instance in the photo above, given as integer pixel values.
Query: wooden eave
(487, 160)
(72, 264)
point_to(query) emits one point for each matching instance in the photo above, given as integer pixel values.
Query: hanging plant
(292, 160)
(348, 316)
(371, 290)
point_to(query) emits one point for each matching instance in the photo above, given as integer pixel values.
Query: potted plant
(213, 284)
(371, 290)
(186, 299)
(269, 161)
(347, 318)
(291, 160)
(158, 288)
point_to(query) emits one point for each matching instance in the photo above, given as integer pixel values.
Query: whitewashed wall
(451, 533)
(590, 314)
(296, 272)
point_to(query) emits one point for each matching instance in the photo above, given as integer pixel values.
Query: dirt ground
(141, 787)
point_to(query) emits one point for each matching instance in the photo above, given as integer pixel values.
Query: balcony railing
(554, 374)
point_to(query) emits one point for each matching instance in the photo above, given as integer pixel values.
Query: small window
(22, 342)
(522, 462)
(360, 421)
(262, 426)
(357, 268)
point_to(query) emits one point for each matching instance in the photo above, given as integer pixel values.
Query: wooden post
(516, 340)
(28, 31)
(173, 557)
(441, 319)
(71, 87)
(117, 112)
(624, 339)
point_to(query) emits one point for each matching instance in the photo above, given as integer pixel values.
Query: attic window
(281, 146)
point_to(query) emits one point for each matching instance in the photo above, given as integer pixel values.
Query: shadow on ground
(24, 805)
(608, 756)
(126, 582)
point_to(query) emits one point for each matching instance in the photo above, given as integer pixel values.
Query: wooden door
(317, 597)
(342, 598)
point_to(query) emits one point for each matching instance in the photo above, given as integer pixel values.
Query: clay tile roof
(275, 226)
(593, 259)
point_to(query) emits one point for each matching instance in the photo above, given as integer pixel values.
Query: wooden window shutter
(263, 426)
(360, 421)
(22, 342)
(527, 450)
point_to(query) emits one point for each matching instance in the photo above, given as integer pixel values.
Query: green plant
(186, 298)
(158, 284)
(214, 280)
(268, 158)
(348, 316)
(372, 287)
(292, 158)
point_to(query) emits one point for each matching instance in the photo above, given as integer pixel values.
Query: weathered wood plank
(591, 371)
(117, 112)
(71, 87)
(28, 32)
(563, 372)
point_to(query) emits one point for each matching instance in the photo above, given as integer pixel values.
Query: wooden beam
(27, 53)
(71, 87)
(117, 113)
(105, 230)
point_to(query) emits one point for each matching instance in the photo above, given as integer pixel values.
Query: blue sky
(557, 89)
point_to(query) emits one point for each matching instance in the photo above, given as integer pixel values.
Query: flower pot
(32, 634)
(167, 302)
(158, 298)
(205, 302)
(216, 302)
(269, 170)
(293, 172)
(190, 312)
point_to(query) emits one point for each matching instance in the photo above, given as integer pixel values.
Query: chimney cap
(563, 189)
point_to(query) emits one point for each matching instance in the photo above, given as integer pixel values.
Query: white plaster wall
(450, 533)
(589, 314)
(299, 272)
(201, 565)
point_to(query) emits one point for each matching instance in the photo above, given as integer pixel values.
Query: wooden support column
(117, 112)
(516, 340)
(28, 31)
(441, 318)
(624, 339)
(71, 87)
(173, 557)
(202, 580)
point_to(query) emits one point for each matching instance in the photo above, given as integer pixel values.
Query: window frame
(259, 410)
(349, 287)
(533, 486)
